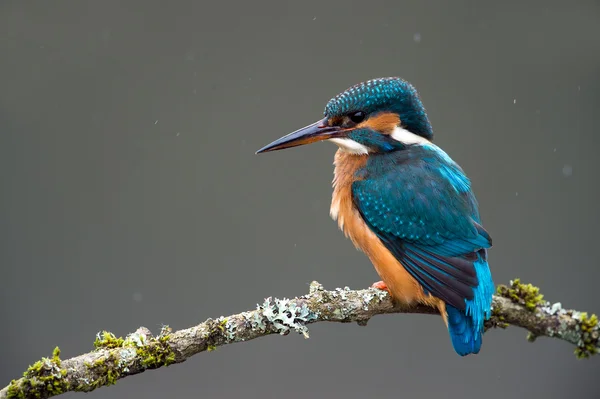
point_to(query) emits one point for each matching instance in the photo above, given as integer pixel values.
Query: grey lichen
(284, 315)
(341, 293)
(554, 309)
(137, 338)
(126, 356)
(255, 320)
(573, 326)
(230, 330)
(371, 294)
(315, 287)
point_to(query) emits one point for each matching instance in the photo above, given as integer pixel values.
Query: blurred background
(131, 194)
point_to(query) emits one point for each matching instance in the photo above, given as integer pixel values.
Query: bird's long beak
(312, 133)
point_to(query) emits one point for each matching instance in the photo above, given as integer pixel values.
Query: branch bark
(114, 358)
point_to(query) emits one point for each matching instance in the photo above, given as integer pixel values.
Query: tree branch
(114, 358)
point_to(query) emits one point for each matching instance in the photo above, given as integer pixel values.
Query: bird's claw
(380, 285)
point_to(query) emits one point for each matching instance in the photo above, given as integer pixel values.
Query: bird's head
(376, 116)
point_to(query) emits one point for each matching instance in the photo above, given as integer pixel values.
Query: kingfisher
(406, 204)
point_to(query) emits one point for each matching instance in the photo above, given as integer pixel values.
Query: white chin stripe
(404, 136)
(350, 146)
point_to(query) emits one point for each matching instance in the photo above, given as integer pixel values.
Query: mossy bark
(114, 357)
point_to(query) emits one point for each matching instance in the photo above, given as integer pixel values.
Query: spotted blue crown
(384, 94)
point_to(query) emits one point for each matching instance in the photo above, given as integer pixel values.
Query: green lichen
(107, 370)
(56, 356)
(498, 318)
(588, 346)
(107, 340)
(14, 390)
(157, 352)
(222, 323)
(44, 378)
(524, 294)
(118, 355)
(113, 357)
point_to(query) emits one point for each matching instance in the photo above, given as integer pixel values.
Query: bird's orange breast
(401, 284)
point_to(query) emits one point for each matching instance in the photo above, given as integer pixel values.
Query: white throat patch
(350, 146)
(404, 136)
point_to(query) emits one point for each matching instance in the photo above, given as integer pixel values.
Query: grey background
(131, 194)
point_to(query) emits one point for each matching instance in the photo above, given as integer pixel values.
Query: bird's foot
(380, 285)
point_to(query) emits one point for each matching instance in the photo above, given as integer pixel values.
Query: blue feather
(450, 170)
(420, 204)
(479, 308)
(466, 328)
(465, 337)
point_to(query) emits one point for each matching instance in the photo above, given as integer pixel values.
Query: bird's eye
(357, 117)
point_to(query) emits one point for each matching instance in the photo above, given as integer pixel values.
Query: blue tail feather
(465, 336)
(466, 327)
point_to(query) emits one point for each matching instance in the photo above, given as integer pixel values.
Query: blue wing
(419, 203)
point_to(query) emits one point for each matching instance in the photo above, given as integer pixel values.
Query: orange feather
(384, 122)
(402, 286)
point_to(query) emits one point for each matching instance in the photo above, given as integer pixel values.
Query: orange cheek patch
(384, 122)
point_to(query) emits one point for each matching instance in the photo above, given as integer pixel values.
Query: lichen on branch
(113, 357)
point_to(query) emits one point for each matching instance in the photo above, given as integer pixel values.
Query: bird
(406, 204)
